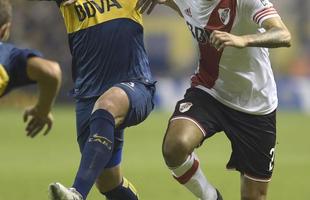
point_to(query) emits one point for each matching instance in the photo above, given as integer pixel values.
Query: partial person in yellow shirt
(20, 67)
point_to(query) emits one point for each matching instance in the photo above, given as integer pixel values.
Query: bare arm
(276, 35)
(47, 74)
(65, 2)
(149, 5)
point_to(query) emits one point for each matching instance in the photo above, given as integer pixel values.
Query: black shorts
(252, 137)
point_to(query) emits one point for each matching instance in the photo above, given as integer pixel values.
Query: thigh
(116, 101)
(195, 118)
(183, 133)
(253, 190)
(140, 102)
(201, 110)
(253, 139)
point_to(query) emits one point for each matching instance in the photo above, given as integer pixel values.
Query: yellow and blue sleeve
(4, 79)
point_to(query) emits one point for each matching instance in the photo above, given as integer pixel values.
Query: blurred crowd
(39, 25)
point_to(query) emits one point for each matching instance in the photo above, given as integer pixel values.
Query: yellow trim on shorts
(4, 79)
(87, 13)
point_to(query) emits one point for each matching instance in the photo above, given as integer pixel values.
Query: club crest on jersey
(188, 12)
(184, 107)
(224, 15)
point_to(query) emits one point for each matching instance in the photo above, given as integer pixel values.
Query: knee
(175, 150)
(106, 104)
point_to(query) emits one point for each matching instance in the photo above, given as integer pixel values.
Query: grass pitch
(27, 166)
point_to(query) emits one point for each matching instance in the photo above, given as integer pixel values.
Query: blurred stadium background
(28, 166)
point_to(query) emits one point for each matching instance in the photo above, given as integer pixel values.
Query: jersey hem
(236, 107)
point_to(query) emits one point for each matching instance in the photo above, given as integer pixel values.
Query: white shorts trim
(192, 120)
(250, 177)
(257, 179)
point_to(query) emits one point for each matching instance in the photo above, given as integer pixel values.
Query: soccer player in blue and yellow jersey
(19, 67)
(114, 89)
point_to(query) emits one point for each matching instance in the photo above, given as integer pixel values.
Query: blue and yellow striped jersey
(13, 64)
(106, 43)
(88, 13)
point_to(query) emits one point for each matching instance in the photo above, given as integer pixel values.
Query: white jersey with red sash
(239, 78)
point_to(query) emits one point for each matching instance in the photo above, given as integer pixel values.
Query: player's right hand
(36, 121)
(68, 2)
(149, 5)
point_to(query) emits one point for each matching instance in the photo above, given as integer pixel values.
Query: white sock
(191, 176)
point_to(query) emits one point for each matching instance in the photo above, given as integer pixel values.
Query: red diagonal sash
(208, 71)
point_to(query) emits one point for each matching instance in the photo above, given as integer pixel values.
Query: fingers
(139, 4)
(37, 129)
(37, 122)
(146, 5)
(25, 116)
(30, 126)
(49, 127)
(69, 2)
(151, 8)
(219, 40)
(36, 125)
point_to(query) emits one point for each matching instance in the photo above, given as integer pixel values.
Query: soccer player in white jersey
(233, 90)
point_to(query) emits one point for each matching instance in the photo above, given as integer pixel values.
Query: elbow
(56, 71)
(287, 39)
(53, 74)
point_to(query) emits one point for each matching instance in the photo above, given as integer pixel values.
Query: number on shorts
(271, 164)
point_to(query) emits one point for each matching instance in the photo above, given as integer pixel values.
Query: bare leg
(181, 138)
(253, 190)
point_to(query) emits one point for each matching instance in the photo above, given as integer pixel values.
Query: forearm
(57, 1)
(48, 90)
(273, 38)
(47, 74)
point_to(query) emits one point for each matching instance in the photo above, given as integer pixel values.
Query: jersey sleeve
(17, 67)
(260, 10)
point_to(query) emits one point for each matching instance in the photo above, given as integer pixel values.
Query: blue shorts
(141, 104)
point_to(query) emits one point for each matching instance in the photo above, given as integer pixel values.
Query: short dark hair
(5, 12)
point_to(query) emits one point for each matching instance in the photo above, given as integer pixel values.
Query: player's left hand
(220, 40)
(149, 5)
(37, 121)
